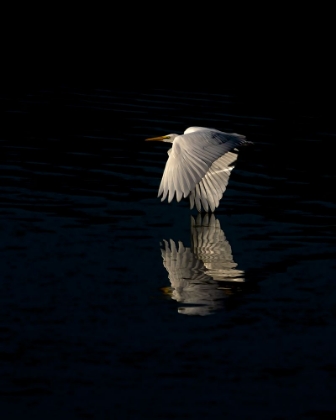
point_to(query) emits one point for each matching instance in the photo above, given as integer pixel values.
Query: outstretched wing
(200, 163)
(209, 191)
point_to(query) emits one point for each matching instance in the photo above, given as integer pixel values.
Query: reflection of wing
(194, 272)
(181, 263)
(189, 283)
(210, 245)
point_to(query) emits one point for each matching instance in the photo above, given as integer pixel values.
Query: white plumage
(199, 165)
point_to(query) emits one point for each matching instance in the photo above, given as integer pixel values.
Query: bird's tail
(242, 139)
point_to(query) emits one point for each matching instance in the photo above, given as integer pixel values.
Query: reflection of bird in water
(199, 165)
(196, 273)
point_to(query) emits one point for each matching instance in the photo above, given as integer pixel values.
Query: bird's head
(169, 138)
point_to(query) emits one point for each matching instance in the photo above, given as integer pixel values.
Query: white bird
(199, 165)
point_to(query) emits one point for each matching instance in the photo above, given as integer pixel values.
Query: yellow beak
(161, 138)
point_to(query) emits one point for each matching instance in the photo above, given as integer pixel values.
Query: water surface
(114, 304)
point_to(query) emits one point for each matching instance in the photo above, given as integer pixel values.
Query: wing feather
(198, 198)
(203, 196)
(192, 198)
(211, 192)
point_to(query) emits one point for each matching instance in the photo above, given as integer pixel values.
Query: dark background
(86, 330)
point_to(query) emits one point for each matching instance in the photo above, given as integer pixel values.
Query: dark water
(114, 305)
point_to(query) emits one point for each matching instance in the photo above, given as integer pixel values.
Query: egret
(199, 165)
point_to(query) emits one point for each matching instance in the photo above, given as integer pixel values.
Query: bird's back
(193, 129)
